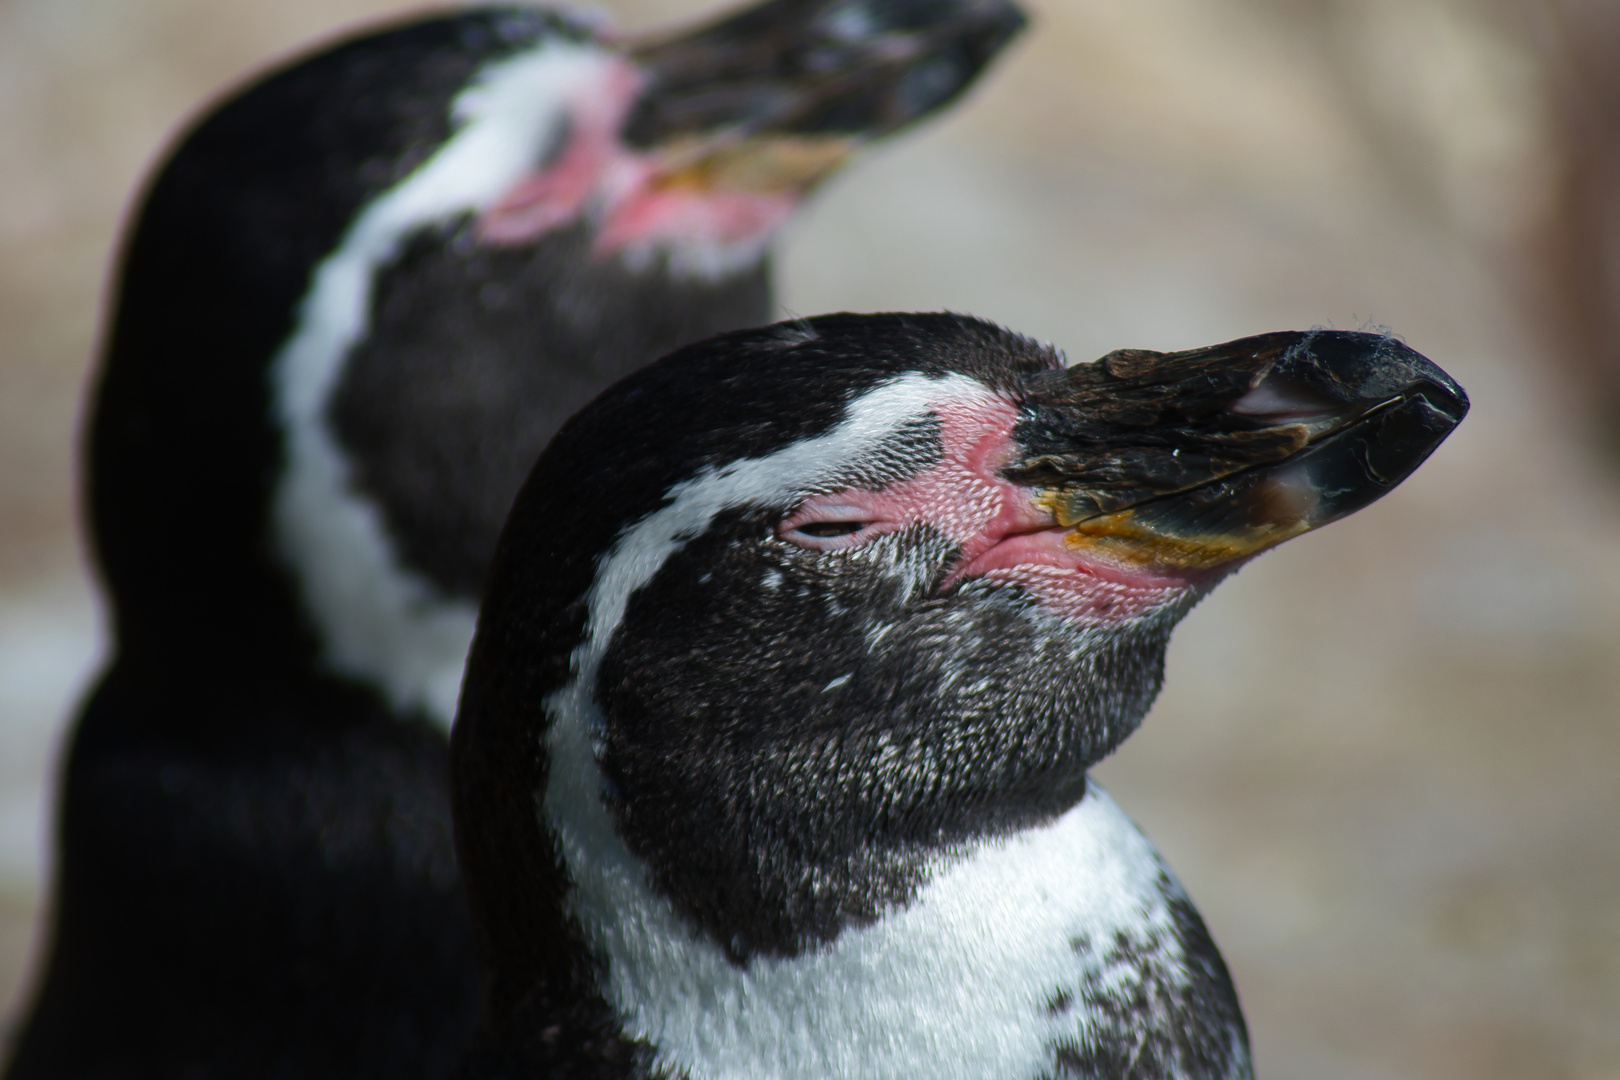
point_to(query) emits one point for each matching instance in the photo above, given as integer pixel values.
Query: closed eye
(825, 529)
(832, 522)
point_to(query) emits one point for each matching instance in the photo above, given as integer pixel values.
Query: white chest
(960, 984)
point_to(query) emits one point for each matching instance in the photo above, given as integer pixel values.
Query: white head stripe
(378, 620)
(642, 549)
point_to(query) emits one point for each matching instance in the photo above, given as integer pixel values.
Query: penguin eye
(829, 524)
(823, 529)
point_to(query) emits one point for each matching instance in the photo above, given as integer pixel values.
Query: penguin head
(784, 620)
(363, 292)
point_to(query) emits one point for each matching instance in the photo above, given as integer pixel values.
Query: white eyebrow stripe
(643, 548)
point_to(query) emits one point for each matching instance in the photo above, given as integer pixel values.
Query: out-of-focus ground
(1385, 760)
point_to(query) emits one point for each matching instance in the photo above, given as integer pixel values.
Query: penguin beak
(1190, 461)
(776, 97)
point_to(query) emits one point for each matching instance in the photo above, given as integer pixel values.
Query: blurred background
(1385, 763)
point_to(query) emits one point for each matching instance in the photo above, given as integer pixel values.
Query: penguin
(798, 645)
(356, 301)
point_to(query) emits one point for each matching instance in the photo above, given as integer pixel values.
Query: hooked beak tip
(851, 69)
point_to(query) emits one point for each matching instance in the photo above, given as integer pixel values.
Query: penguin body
(356, 301)
(772, 751)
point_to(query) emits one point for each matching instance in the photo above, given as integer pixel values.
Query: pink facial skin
(593, 155)
(690, 216)
(1004, 533)
(596, 173)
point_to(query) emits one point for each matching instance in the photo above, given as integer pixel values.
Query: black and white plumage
(356, 301)
(772, 752)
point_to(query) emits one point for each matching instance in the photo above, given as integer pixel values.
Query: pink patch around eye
(694, 216)
(543, 201)
(959, 496)
(592, 157)
(1004, 535)
(596, 174)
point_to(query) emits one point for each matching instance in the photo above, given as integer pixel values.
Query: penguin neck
(378, 620)
(1049, 950)
(257, 457)
(186, 448)
(400, 467)
(426, 372)
(1022, 932)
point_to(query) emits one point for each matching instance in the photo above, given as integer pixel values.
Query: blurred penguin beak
(775, 98)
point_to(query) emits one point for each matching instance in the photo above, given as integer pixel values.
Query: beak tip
(818, 69)
(1357, 367)
(1210, 454)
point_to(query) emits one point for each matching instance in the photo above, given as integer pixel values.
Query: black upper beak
(1197, 458)
(849, 69)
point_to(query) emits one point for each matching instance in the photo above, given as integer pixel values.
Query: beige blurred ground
(1385, 761)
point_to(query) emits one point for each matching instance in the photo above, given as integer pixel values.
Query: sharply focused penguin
(356, 302)
(772, 752)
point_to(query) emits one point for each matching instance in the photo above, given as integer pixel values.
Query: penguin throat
(1069, 941)
(379, 620)
(1043, 565)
